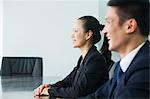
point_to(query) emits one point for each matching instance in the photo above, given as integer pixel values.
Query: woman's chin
(74, 46)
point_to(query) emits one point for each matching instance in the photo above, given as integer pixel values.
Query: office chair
(27, 66)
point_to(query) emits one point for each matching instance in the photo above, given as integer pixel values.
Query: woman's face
(78, 34)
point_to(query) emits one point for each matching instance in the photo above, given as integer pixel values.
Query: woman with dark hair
(91, 70)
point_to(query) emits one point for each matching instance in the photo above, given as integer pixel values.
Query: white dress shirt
(126, 61)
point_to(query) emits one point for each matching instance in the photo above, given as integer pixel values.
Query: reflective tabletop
(22, 87)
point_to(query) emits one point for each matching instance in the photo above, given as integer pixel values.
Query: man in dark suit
(127, 30)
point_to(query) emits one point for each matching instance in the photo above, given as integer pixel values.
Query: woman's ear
(89, 34)
(130, 26)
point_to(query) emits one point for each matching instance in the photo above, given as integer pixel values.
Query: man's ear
(130, 26)
(89, 34)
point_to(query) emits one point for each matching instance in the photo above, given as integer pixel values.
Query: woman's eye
(74, 30)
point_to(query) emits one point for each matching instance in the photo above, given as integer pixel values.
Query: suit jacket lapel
(79, 68)
(82, 63)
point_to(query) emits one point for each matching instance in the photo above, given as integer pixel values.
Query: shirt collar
(126, 61)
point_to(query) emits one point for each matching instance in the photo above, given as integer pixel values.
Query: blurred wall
(43, 28)
(1, 30)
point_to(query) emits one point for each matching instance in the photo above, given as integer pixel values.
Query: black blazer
(134, 83)
(85, 78)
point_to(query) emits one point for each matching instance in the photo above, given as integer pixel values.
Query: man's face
(114, 32)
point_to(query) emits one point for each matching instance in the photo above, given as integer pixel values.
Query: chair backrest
(22, 66)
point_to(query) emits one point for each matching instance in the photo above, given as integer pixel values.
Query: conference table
(22, 87)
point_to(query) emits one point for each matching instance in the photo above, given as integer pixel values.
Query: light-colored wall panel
(1, 30)
(43, 28)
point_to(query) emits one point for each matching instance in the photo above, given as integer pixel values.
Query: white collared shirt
(126, 61)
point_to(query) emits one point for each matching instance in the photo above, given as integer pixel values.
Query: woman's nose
(72, 35)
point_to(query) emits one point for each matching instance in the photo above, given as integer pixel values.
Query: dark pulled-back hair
(137, 9)
(91, 23)
(107, 53)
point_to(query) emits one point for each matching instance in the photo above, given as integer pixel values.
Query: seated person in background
(127, 29)
(91, 70)
(106, 53)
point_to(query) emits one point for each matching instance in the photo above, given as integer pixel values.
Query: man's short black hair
(137, 9)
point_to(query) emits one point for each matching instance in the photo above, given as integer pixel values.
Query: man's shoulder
(141, 60)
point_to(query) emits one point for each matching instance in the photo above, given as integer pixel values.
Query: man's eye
(107, 22)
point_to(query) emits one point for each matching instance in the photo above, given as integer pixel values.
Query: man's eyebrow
(106, 18)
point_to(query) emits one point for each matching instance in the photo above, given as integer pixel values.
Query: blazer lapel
(79, 68)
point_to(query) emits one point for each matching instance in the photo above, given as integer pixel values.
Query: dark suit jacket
(85, 78)
(134, 83)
